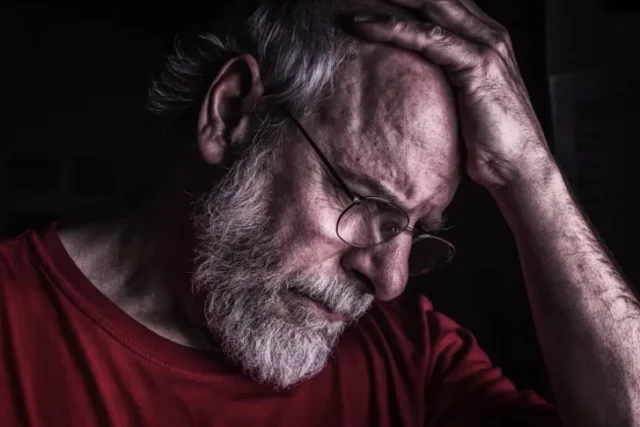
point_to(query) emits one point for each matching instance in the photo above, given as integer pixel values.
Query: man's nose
(383, 269)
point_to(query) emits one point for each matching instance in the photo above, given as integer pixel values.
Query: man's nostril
(368, 284)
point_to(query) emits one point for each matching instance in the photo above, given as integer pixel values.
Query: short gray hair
(299, 45)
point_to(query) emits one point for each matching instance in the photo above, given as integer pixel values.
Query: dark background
(75, 97)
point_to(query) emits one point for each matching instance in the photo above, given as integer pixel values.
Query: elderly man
(264, 285)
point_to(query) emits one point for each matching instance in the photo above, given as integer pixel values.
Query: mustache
(342, 296)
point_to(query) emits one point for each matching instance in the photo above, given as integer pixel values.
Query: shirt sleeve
(464, 389)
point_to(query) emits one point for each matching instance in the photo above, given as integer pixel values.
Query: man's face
(281, 284)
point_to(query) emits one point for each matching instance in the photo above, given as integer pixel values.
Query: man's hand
(502, 134)
(587, 318)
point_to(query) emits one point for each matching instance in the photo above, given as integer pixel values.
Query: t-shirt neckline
(68, 277)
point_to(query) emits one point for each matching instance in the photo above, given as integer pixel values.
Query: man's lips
(320, 308)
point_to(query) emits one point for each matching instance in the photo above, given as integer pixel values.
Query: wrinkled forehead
(393, 113)
(392, 93)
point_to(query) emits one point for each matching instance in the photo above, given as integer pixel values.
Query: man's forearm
(586, 316)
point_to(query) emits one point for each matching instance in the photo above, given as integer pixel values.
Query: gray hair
(298, 44)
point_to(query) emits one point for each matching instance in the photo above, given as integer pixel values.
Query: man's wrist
(536, 184)
(534, 173)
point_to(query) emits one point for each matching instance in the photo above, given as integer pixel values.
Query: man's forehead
(391, 94)
(390, 97)
(392, 118)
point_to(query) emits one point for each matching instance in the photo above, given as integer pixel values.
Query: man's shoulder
(15, 253)
(19, 258)
(404, 320)
(410, 307)
(413, 320)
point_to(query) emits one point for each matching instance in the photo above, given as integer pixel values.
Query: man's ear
(227, 106)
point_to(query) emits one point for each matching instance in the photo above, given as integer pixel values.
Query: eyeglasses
(370, 221)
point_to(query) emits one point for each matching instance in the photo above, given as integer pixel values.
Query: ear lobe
(225, 114)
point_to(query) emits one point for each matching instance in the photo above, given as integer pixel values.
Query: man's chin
(291, 357)
(278, 346)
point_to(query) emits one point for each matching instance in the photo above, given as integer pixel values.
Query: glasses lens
(370, 222)
(374, 221)
(428, 253)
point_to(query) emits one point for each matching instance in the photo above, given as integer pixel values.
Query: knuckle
(399, 26)
(502, 36)
(488, 57)
(434, 32)
(502, 48)
(500, 42)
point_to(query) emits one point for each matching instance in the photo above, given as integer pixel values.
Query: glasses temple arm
(324, 160)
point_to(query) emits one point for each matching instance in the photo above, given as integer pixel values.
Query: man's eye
(390, 229)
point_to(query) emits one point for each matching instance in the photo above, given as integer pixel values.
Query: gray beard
(253, 306)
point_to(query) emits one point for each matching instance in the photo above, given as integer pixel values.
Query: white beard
(251, 310)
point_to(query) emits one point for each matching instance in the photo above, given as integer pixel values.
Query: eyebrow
(379, 190)
(366, 181)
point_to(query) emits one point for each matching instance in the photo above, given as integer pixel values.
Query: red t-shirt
(70, 357)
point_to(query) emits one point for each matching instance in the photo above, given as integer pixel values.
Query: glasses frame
(357, 199)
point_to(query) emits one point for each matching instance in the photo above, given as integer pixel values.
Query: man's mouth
(319, 308)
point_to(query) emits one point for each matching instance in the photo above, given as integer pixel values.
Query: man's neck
(141, 263)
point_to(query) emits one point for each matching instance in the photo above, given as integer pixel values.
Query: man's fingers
(453, 16)
(465, 18)
(476, 10)
(436, 44)
(502, 35)
(469, 4)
